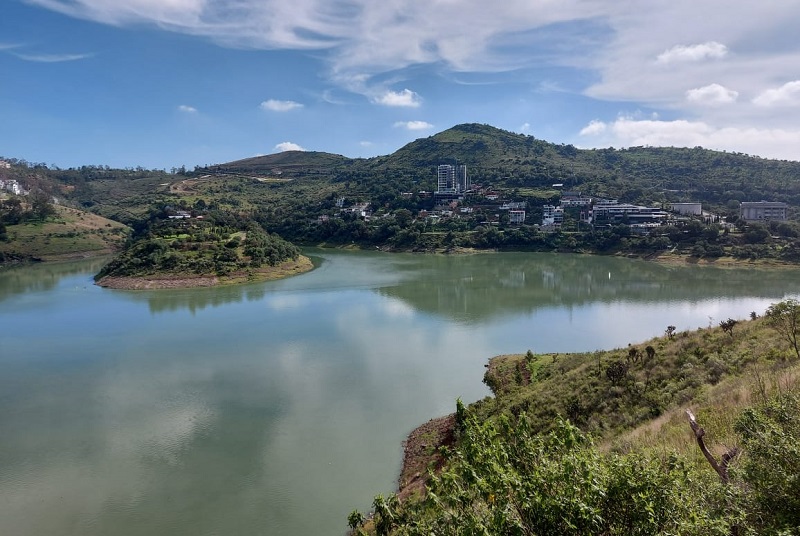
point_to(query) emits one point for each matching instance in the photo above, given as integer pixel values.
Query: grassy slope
(685, 369)
(69, 233)
(710, 371)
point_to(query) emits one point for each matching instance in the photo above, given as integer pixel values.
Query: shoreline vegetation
(174, 250)
(617, 407)
(158, 281)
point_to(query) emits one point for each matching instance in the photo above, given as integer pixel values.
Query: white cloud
(713, 95)
(187, 109)
(766, 142)
(405, 98)
(288, 146)
(52, 58)
(710, 50)
(525, 127)
(366, 143)
(414, 125)
(273, 105)
(594, 128)
(786, 95)
(646, 57)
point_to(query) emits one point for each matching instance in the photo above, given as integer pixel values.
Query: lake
(277, 408)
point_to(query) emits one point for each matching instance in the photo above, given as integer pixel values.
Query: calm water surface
(277, 408)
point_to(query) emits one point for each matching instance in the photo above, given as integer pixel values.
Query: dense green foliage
(217, 244)
(506, 479)
(770, 435)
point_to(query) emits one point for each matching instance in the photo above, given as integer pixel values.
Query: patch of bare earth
(421, 452)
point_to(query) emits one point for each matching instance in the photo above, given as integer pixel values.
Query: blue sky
(165, 83)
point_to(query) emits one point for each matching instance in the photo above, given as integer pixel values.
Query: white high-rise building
(452, 179)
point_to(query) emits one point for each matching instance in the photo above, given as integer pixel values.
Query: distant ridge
(283, 161)
(510, 160)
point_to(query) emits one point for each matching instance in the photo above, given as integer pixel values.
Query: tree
(616, 371)
(784, 317)
(403, 217)
(355, 520)
(633, 354)
(728, 325)
(670, 331)
(41, 205)
(770, 433)
(11, 211)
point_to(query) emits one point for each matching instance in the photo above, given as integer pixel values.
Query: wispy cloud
(525, 127)
(187, 109)
(9, 46)
(712, 95)
(728, 55)
(52, 58)
(274, 105)
(404, 98)
(413, 125)
(704, 51)
(288, 146)
(786, 95)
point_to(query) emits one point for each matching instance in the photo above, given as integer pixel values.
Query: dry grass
(69, 233)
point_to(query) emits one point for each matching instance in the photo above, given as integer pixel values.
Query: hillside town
(458, 197)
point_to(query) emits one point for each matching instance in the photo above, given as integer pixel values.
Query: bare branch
(699, 433)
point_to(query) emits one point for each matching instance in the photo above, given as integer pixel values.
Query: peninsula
(179, 249)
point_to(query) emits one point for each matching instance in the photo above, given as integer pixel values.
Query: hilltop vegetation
(189, 249)
(598, 443)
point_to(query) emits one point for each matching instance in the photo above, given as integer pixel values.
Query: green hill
(509, 160)
(292, 162)
(310, 197)
(66, 233)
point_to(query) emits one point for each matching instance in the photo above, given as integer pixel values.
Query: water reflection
(478, 287)
(467, 288)
(277, 408)
(43, 276)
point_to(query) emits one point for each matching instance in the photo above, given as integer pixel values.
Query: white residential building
(552, 216)
(763, 210)
(11, 185)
